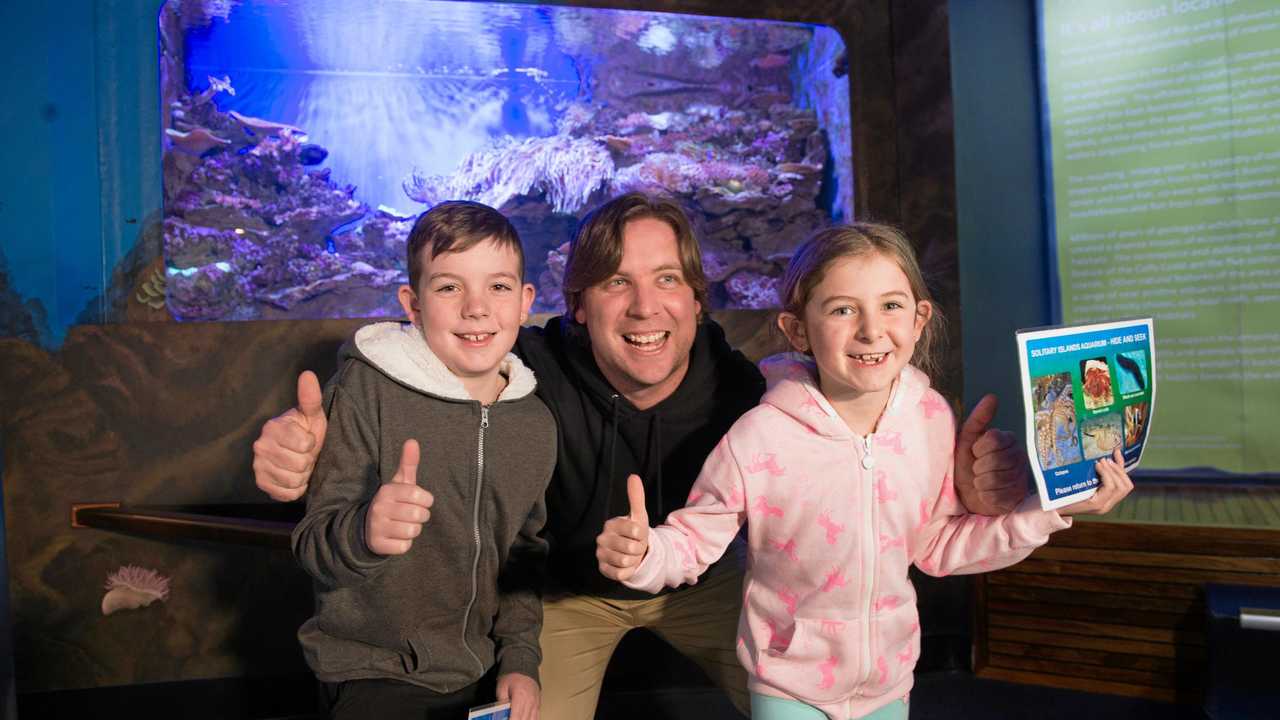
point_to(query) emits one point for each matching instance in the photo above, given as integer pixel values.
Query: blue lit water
(389, 87)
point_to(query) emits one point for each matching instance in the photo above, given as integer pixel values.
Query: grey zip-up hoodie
(466, 594)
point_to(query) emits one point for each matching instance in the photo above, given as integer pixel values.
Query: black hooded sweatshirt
(603, 438)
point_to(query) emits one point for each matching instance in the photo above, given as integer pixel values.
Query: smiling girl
(843, 475)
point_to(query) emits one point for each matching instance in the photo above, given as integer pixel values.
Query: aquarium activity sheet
(1087, 390)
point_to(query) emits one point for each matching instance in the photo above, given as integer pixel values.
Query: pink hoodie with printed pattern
(834, 520)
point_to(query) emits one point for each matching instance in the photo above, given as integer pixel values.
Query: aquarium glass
(301, 139)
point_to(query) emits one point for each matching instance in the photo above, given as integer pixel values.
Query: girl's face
(861, 323)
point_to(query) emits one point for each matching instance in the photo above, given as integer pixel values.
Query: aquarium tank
(301, 139)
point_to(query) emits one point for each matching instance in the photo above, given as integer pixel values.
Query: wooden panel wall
(1116, 608)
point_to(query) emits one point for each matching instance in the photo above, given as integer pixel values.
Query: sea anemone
(133, 587)
(567, 171)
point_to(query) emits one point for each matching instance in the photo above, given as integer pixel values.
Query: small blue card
(496, 711)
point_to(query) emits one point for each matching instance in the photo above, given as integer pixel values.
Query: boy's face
(469, 306)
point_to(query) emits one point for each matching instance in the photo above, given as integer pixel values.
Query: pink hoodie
(834, 520)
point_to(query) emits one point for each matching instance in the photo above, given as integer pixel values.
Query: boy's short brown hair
(455, 226)
(596, 250)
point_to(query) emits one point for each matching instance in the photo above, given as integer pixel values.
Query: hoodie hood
(792, 380)
(400, 351)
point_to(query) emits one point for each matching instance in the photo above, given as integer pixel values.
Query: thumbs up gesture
(399, 508)
(992, 471)
(286, 451)
(625, 540)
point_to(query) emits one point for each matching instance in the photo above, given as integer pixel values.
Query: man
(639, 383)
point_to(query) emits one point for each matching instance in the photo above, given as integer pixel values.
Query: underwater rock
(551, 280)
(385, 233)
(188, 245)
(815, 148)
(771, 61)
(620, 146)
(758, 225)
(662, 171)
(212, 292)
(360, 275)
(780, 243)
(198, 13)
(313, 224)
(133, 587)
(748, 289)
(720, 260)
(220, 217)
(720, 201)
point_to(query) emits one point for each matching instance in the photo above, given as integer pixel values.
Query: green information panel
(1163, 124)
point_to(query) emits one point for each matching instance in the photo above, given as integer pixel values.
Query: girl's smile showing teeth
(870, 358)
(475, 338)
(646, 341)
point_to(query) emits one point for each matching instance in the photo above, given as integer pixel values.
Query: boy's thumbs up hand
(399, 509)
(625, 540)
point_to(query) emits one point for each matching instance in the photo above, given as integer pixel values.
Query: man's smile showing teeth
(870, 358)
(646, 341)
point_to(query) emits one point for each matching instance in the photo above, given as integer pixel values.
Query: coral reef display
(250, 232)
(743, 122)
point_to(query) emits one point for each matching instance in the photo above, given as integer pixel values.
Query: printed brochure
(1087, 390)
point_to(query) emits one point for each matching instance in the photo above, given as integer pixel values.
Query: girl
(843, 474)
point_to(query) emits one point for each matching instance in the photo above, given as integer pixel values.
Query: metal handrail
(208, 523)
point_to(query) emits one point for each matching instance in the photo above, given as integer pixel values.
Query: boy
(426, 575)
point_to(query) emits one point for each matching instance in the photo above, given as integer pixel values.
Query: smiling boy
(426, 575)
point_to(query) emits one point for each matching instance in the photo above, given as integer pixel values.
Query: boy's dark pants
(394, 700)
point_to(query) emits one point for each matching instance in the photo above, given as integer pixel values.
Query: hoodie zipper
(475, 531)
(870, 552)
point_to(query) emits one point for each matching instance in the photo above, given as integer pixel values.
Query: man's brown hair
(596, 251)
(455, 226)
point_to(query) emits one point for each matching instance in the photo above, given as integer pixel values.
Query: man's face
(642, 319)
(469, 306)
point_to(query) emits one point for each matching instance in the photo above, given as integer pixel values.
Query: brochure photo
(1087, 390)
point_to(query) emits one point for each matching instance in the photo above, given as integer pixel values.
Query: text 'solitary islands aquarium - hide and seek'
(302, 138)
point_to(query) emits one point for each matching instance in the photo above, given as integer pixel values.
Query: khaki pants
(580, 632)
